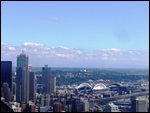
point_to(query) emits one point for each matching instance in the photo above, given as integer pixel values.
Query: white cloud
(61, 54)
(111, 49)
(32, 44)
(78, 52)
(64, 55)
(104, 58)
(11, 48)
(46, 48)
(63, 47)
(105, 55)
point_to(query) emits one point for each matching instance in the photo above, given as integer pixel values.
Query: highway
(108, 99)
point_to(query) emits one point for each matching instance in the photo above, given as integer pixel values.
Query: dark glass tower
(32, 86)
(6, 73)
(46, 79)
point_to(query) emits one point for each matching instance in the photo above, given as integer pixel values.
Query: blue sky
(87, 26)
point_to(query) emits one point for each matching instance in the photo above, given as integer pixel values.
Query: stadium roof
(84, 85)
(99, 86)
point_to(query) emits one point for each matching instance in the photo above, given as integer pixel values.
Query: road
(106, 100)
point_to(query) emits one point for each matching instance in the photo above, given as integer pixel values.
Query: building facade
(32, 86)
(139, 104)
(22, 78)
(52, 85)
(5, 92)
(6, 73)
(46, 79)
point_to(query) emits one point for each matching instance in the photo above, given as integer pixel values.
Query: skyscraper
(45, 99)
(14, 91)
(52, 84)
(22, 78)
(5, 92)
(6, 73)
(139, 104)
(46, 79)
(32, 86)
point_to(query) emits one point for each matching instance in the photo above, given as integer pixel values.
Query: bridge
(108, 99)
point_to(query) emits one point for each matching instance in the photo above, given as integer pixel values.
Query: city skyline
(77, 34)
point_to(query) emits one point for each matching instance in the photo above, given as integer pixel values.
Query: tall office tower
(22, 78)
(14, 91)
(6, 73)
(32, 86)
(139, 104)
(46, 79)
(5, 92)
(45, 100)
(52, 85)
(74, 105)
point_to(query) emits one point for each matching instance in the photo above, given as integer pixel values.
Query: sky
(77, 34)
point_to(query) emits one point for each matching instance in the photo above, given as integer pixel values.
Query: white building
(111, 107)
(16, 106)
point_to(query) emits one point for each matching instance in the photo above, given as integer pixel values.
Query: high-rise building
(6, 73)
(139, 104)
(14, 91)
(52, 84)
(46, 79)
(45, 100)
(22, 78)
(74, 105)
(5, 92)
(32, 86)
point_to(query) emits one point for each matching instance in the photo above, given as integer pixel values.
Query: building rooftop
(99, 86)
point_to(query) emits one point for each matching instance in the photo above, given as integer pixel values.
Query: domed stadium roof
(115, 85)
(84, 85)
(99, 86)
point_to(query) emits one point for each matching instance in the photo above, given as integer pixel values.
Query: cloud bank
(62, 56)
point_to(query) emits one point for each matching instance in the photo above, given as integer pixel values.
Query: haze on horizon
(76, 34)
